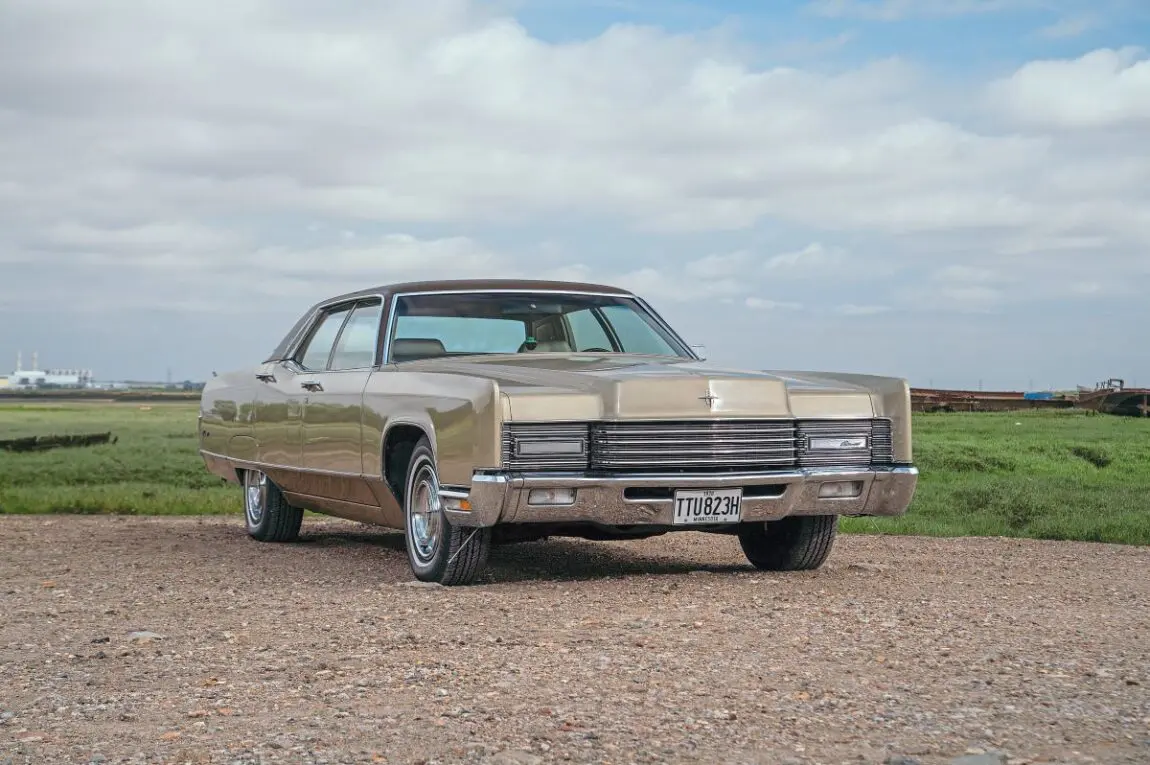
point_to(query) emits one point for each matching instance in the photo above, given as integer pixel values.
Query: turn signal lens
(840, 490)
(551, 497)
(452, 503)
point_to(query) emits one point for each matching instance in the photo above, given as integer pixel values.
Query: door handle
(265, 377)
(311, 385)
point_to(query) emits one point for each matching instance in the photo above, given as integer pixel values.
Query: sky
(956, 192)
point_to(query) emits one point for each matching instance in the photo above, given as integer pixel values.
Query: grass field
(1053, 475)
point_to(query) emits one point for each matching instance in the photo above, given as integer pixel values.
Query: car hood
(546, 386)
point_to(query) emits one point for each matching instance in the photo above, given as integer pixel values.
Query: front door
(283, 399)
(278, 421)
(334, 450)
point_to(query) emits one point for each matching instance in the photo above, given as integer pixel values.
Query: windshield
(432, 325)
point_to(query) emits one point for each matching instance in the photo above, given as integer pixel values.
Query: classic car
(476, 413)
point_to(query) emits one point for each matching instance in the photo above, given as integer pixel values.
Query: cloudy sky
(951, 191)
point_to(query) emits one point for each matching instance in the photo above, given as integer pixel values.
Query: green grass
(1052, 475)
(1049, 475)
(152, 469)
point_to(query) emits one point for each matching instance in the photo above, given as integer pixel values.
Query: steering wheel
(594, 350)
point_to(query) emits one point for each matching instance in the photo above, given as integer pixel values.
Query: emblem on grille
(710, 398)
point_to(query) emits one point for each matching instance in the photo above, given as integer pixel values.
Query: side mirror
(700, 351)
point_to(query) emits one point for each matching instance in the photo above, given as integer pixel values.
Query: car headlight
(837, 443)
(539, 446)
(524, 448)
(834, 443)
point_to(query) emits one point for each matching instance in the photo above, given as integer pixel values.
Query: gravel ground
(666, 650)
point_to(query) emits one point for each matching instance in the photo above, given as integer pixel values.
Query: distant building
(46, 378)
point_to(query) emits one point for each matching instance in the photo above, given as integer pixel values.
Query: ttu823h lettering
(708, 506)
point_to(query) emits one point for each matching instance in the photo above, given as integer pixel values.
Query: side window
(355, 348)
(313, 355)
(586, 331)
(463, 334)
(635, 334)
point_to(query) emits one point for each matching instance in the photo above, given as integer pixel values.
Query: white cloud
(850, 309)
(814, 257)
(765, 304)
(896, 10)
(676, 286)
(967, 274)
(209, 157)
(1103, 88)
(973, 297)
(1067, 28)
(720, 265)
(171, 266)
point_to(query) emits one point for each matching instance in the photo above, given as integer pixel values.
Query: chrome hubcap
(255, 496)
(425, 514)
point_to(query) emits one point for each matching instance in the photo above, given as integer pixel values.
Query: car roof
(450, 285)
(446, 285)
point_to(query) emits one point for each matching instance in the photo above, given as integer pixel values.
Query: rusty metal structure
(1113, 397)
(1107, 397)
(943, 400)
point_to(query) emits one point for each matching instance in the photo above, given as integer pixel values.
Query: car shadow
(583, 560)
(557, 559)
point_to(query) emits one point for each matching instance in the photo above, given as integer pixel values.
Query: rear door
(333, 447)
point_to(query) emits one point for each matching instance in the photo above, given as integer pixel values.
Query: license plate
(708, 506)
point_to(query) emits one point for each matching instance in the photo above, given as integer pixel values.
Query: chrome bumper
(503, 497)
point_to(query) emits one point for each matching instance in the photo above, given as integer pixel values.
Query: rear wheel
(795, 543)
(436, 550)
(267, 515)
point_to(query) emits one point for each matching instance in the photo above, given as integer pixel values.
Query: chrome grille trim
(698, 446)
(882, 442)
(692, 445)
(514, 433)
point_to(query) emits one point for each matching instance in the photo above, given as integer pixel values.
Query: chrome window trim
(668, 328)
(367, 303)
(395, 297)
(320, 309)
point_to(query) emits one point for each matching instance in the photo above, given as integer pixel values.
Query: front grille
(701, 446)
(693, 445)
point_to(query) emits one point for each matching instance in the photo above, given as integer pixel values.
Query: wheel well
(397, 448)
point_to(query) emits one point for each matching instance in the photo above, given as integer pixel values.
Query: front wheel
(436, 550)
(795, 543)
(267, 515)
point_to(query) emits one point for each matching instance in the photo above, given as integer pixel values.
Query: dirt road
(666, 650)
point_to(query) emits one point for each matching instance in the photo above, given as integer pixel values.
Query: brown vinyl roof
(498, 284)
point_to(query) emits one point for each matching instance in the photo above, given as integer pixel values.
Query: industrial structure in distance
(23, 379)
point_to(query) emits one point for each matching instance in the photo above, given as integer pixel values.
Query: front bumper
(621, 500)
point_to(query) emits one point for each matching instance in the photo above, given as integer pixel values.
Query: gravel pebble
(900, 650)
